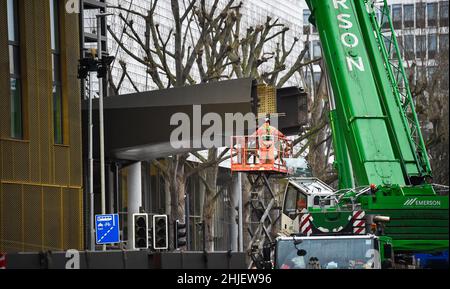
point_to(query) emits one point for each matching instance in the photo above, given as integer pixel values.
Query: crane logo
(416, 202)
(409, 202)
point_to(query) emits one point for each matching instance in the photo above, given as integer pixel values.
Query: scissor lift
(251, 155)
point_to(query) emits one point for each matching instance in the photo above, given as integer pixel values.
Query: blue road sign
(107, 229)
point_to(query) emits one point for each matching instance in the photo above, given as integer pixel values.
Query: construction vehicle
(385, 189)
(334, 252)
(315, 214)
(384, 171)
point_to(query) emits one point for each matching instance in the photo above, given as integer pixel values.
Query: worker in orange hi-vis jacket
(267, 136)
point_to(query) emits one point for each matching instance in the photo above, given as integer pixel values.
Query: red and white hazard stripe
(2, 261)
(305, 224)
(359, 222)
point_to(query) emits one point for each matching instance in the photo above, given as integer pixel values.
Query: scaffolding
(260, 162)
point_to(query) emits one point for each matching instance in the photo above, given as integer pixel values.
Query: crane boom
(381, 158)
(373, 105)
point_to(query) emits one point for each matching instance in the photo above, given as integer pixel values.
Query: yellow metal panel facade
(267, 98)
(41, 201)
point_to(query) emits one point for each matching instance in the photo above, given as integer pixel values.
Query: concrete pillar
(111, 178)
(236, 214)
(134, 180)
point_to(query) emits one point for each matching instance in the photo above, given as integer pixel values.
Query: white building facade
(421, 27)
(254, 13)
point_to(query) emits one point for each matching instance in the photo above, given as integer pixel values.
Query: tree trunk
(209, 203)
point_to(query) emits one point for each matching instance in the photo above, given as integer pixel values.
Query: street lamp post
(91, 168)
(101, 118)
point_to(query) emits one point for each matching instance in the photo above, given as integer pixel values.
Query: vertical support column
(91, 172)
(236, 215)
(116, 188)
(101, 118)
(240, 216)
(186, 221)
(134, 197)
(111, 180)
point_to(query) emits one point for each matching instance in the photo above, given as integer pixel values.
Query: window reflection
(16, 127)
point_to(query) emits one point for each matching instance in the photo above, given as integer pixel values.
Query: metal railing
(260, 153)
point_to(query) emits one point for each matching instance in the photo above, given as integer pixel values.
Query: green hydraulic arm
(374, 111)
(359, 110)
(376, 132)
(342, 159)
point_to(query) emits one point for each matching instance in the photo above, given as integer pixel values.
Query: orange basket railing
(260, 153)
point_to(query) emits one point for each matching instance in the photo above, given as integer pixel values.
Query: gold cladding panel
(32, 205)
(1, 217)
(21, 161)
(52, 218)
(7, 161)
(61, 165)
(46, 209)
(72, 229)
(12, 218)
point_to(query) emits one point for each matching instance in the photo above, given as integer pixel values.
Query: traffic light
(160, 232)
(86, 65)
(102, 66)
(180, 234)
(140, 231)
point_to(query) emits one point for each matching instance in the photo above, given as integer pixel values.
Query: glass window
(411, 73)
(16, 101)
(316, 201)
(443, 42)
(317, 76)
(56, 73)
(408, 11)
(421, 46)
(444, 84)
(409, 47)
(54, 25)
(308, 53)
(443, 13)
(333, 253)
(317, 51)
(384, 19)
(432, 12)
(306, 24)
(290, 202)
(400, 44)
(421, 75)
(397, 16)
(431, 73)
(13, 34)
(14, 60)
(302, 202)
(432, 46)
(388, 45)
(16, 109)
(420, 15)
(57, 114)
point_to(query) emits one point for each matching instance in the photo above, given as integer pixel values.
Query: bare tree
(316, 141)
(210, 36)
(428, 78)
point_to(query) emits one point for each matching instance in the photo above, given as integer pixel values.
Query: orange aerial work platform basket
(264, 153)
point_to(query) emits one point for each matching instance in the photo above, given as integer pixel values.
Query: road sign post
(107, 229)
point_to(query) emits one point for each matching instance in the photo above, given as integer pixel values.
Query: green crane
(381, 158)
(374, 114)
